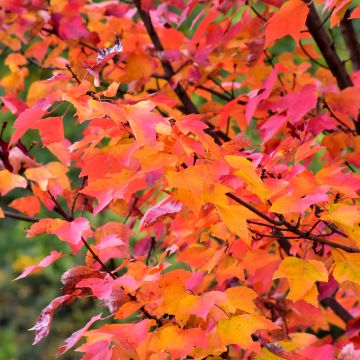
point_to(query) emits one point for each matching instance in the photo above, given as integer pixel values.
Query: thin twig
(40, 66)
(311, 58)
(273, 236)
(337, 119)
(292, 228)
(221, 87)
(131, 209)
(151, 250)
(214, 92)
(256, 12)
(59, 208)
(98, 259)
(73, 74)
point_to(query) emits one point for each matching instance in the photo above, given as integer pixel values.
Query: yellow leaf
(41, 175)
(238, 329)
(347, 267)
(246, 172)
(176, 342)
(302, 275)
(240, 298)
(235, 218)
(343, 214)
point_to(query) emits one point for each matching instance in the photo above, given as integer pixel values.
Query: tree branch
(323, 41)
(254, 209)
(10, 214)
(294, 229)
(337, 308)
(351, 41)
(189, 107)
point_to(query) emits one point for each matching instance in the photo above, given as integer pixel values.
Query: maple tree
(212, 192)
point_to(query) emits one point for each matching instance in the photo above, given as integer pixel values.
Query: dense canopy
(200, 159)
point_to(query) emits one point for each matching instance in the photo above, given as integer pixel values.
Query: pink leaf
(75, 337)
(43, 323)
(272, 126)
(72, 28)
(262, 94)
(72, 232)
(25, 121)
(54, 255)
(164, 207)
(15, 105)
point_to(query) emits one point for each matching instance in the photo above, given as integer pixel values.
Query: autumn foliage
(211, 193)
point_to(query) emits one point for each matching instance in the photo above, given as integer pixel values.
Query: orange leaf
(29, 205)
(289, 20)
(10, 181)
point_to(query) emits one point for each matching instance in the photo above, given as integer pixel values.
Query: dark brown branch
(254, 209)
(334, 228)
(351, 41)
(73, 74)
(294, 229)
(221, 87)
(151, 250)
(323, 41)
(318, 239)
(337, 308)
(59, 208)
(10, 214)
(263, 224)
(256, 12)
(273, 236)
(131, 209)
(189, 107)
(97, 259)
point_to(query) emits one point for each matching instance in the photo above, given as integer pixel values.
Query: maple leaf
(238, 329)
(10, 181)
(279, 24)
(347, 267)
(70, 232)
(76, 336)
(302, 275)
(54, 255)
(43, 323)
(157, 212)
(29, 205)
